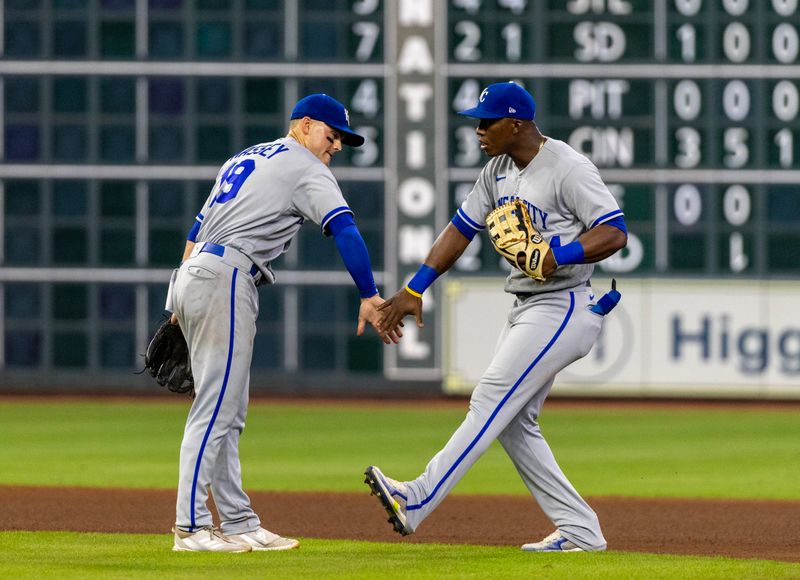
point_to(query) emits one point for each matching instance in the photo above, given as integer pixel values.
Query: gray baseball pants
(216, 302)
(543, 334)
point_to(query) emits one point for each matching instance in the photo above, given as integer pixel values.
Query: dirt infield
(767, 530)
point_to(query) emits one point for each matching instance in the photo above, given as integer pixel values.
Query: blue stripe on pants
(221, 394)
(499, 406)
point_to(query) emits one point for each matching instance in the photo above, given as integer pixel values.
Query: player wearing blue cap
(261, 197)
(551, 324)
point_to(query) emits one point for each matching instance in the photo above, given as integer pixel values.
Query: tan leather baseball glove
(516, 239)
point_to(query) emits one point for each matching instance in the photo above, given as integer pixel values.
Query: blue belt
(218, 250)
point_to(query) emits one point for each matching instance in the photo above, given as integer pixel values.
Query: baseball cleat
(208, 539)
(392, 495)
(555, 542)
(262, 540)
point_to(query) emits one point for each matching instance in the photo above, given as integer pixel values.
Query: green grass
(650, 452)
(730, 453)
(72, 555)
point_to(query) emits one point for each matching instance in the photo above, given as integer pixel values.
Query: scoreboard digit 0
(690, 108)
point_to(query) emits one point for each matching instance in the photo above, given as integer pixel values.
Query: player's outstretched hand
(397, 307)
(368, 312)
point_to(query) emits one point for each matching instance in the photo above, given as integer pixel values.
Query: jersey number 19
(233, 179)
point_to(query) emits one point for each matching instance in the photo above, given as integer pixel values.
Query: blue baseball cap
(323, 108)
(503, 100)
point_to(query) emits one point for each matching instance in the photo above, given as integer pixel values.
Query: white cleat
(263, 540)
(555, 542)
(208, 539)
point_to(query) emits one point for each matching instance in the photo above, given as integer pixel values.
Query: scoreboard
(690, 109)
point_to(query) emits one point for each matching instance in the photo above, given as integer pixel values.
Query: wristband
(424, 277)
(572, 253)
(414, 294)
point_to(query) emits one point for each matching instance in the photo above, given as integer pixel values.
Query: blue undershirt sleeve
(354, 253)
(198, 221)
(619, 223)
(338, 223)
(462, 226)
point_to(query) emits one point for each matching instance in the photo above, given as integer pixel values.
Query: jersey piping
(332, 214)
(469, 221)
(606, 217)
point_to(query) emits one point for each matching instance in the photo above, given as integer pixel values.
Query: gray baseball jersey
(277, 186)
(544, 332)
(565, 197)
(259, 201)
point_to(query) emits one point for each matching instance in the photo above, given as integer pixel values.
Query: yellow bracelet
(413, 293)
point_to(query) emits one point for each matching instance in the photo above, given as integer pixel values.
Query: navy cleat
(393, 496)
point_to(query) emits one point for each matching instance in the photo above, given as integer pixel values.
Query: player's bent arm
(601, 242)
(597, 244)
(447, 248)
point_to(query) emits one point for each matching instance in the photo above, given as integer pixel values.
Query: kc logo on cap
(323, 108)
(503, 100)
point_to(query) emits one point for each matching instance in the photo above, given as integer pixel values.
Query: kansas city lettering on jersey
(268, 150)
(538, 216)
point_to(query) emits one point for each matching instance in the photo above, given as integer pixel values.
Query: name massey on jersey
(268, 150)
(538, 216)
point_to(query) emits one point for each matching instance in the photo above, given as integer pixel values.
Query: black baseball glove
(167, 359)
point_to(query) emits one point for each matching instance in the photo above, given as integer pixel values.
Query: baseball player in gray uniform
(550, 325)
(261, 197)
